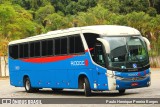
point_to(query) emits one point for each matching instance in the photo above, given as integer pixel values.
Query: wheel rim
(27, 85)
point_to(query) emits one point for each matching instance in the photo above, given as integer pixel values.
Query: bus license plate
(134, 84)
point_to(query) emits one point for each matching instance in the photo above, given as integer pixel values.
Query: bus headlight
(113, 76)
(118, 78)
(109, 75)
(147, 75)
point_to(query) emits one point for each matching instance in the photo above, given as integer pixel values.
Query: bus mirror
(148, 43)
(106, 44)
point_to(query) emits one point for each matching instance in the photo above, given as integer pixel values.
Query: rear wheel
(122, 91)
(87, 89)
(28, 87)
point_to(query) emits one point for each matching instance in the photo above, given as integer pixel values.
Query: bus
(92, 58)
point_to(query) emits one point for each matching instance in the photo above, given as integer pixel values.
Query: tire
(28, 87)
(122, 91)
(87, 89)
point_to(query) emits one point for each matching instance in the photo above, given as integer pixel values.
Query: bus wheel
(87, 89)
(122, 91)
(27, 85)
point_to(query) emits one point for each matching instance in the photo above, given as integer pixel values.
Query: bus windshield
(127, 53)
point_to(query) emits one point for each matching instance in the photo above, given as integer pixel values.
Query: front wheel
(87, 89)
(122, 91)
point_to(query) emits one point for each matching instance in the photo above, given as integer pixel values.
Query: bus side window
(13, 51)
(25, 50)
(44, 47)
(32, 48)
(47, 47)
(71, 44)
(21, 51)
(57, 47)
(50, 48)
(64, 46)
(37, 49)
(78, 45)
(75, 44)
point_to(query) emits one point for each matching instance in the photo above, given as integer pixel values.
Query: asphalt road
(8, 91)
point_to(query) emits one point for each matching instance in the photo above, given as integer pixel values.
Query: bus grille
(134, 79)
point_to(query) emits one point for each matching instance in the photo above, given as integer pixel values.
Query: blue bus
(93, 58)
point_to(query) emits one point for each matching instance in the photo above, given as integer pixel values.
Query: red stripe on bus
(86, 50)
(90, 49)
(47, 59)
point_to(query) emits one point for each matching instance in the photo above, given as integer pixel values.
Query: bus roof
(102, 30)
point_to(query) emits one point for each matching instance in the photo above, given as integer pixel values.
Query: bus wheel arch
(83, 83)
(24, 78)
(27, 85)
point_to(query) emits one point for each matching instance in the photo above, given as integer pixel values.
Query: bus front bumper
(123, 84)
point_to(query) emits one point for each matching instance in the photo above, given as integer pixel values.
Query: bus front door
(99, 58)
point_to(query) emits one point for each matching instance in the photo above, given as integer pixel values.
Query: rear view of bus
(93, 58)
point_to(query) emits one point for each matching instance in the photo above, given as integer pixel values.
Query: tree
(111, 5)
(15, 23)
(7, 16)
(55, 21)
(60, 5)
(154, 4)
(152, 11)
(31, 4)
(127, 6)
(97, 15)
(73, 6)
(43, 12)
(138, 20)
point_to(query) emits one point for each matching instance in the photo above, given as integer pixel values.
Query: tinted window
(50, 47)
(78, 45)
(21, 52)
(25, 50)
(13, 51)
(32, 48)
(47, 47)
(75, 44)
(57, 46)
(71, 44)
(37, 49)
(44, 48)
(64, 46)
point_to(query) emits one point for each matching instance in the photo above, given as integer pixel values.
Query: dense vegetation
(23, 18)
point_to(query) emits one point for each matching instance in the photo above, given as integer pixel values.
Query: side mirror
(148, 43)
(106, 44)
